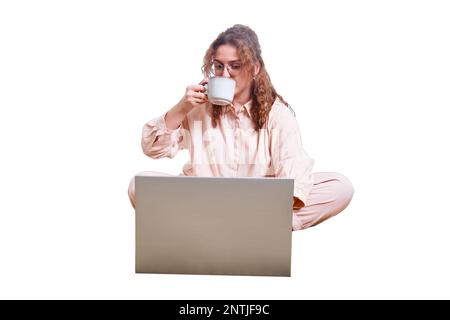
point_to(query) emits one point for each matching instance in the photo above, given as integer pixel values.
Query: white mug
(220, 90)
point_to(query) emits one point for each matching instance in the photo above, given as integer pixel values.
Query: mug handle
(204, 83)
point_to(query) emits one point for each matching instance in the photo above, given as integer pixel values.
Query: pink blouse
(234, 148)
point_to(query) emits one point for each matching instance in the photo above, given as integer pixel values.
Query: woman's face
(226, 63)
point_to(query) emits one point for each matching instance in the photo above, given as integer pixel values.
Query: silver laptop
(222, 226)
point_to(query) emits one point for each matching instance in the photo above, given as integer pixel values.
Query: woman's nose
(226, 73)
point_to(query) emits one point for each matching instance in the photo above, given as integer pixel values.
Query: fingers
(199, 95)
(196, 88)
(198, 101)
(196, 94)
(196, 97)
(195, 101)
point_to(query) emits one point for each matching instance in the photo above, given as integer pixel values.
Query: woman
(257, 135)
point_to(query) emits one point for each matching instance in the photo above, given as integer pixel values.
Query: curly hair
(248, 48)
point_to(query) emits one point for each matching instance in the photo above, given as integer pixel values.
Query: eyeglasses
(233, 68)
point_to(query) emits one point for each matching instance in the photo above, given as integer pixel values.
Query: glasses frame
(228, 66)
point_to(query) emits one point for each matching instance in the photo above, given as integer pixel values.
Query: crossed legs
(331, 193)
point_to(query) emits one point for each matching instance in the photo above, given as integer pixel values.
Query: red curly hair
(248, 48)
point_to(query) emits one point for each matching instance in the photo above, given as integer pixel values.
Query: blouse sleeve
(158, 141)
(287, 154)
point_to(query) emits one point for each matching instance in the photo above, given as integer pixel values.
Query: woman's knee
(132, 187)
(345, 189)
(132, 192)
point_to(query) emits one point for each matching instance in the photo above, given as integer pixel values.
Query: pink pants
(330, 194)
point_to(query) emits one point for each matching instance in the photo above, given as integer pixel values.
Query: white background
(370, 83)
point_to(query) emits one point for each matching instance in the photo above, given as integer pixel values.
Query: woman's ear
(256, 69)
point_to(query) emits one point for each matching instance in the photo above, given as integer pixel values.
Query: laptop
(214, 225)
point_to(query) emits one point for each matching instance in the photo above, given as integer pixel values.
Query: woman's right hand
(194, 96)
